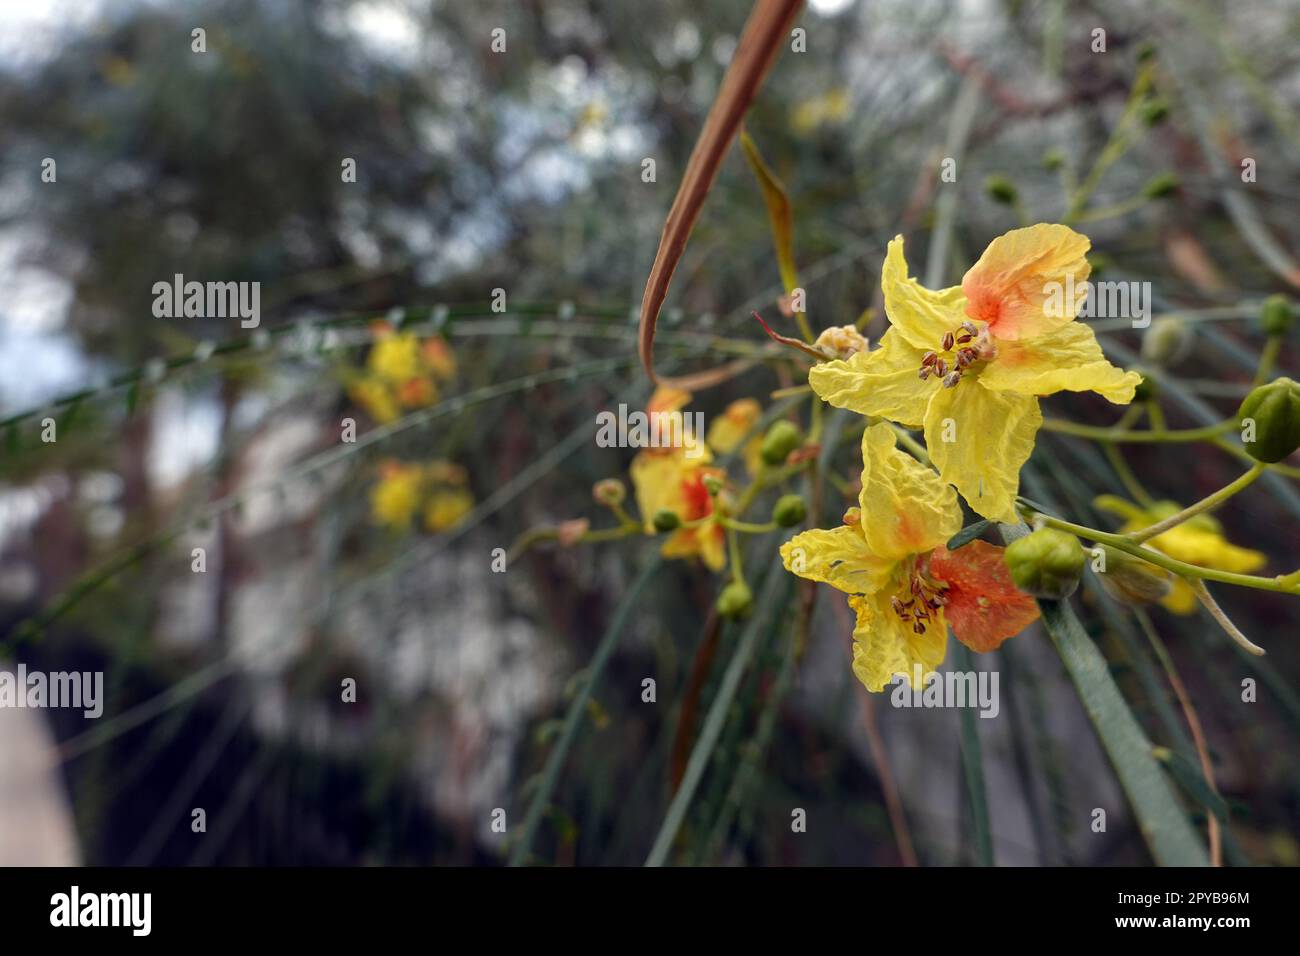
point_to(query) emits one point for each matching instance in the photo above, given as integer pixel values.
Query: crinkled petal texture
(979, 439)
(1021, 285)
(1068, 359)
(984, 605)
(838, 557)
(885, 645)
(922, 315)
(883, 382)
(906, 508)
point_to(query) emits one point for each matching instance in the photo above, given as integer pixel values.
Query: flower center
(957, 352)
(919, 599)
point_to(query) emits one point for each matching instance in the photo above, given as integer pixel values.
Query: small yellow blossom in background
(395, 499)
(376, 398)
(829, 109)
(401, 372)
(1199, 541)
(905, 588)
(969, 363)
(446, 508)
(729, 429)
(668, 479)
(437, 491)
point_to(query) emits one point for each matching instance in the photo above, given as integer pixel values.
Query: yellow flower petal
(883, 382)
(920, 314)
(979, 440)
(1181, 599)
(656, 480)
(838, 557)
(906, 508)
(885, 645)
(729, 428)
(1206, 549)
(1021, 286)
(708, 541)
(1068, 359)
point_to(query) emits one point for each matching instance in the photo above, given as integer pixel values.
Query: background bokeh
(523, 171)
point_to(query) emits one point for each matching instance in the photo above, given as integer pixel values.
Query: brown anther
(962, 359)
(896, 604)
(948, 339)
(929, 358)
(918, 628)
(970, 328)
(924, 373)
(940, 368)
(963, 339)
(971, 353)
(949, 381)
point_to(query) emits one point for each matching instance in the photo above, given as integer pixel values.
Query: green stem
(1205, 504)
(1268, 359)
(1181, 568)
(1151, 436)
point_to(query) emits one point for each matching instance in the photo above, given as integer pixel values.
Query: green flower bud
(789, 511)
(1154, 112)
(1053, 159)
(1277, 315)
(666, 520)
(712, 484)
(1274, 412)
(1129, 579)
(1167, 342)
(1046, 563)
(1001, 190)
(1147, 389)
(736, 600)
(781, 439)
(1161, 186)
(609, 491)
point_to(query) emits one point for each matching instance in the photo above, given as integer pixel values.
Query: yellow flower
(905, 587)
(676, 483)
(439, 358)
(968, 363)
(1199, 541)
(376, 398)
(730, 428)
(446, 508)
(395, 499)
(396, 359)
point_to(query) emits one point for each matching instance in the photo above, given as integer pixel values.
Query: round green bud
(781, 439)
(1277, 315)
(1155, 112)
(1160, 186)
(736, 600)
(1129, 579)
(1046, 563)
(1146, 51)
(789, 511)
(712, 484)
(666, 520)
(1167, 342)
(1053, 159)
(609, 491)
(1272, 413)
(1146, 389)
(1001, 190)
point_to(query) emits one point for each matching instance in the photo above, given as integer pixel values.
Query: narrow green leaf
(577, 710)
(1192, 781)
(972, 762)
